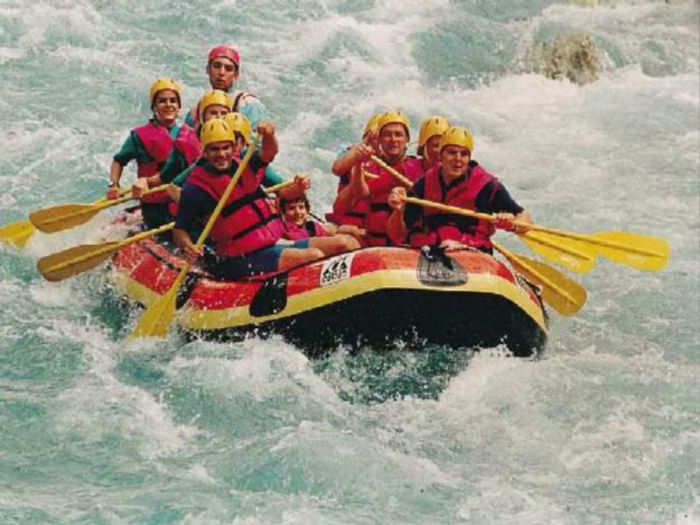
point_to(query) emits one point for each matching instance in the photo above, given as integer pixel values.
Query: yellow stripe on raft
(192, 319)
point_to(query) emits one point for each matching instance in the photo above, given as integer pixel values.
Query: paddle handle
(452, 209)
(469, 213)
(405, 181)
(278, 187)
(128, 196)
(147, 233)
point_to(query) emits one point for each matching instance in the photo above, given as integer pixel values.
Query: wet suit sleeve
(272, 177)
(342, 151)
(132, 149)
(494, 198)
(413, 213)
(195, 204)
(182, 176)
(252, 108)
(174, 164)
(189, 119)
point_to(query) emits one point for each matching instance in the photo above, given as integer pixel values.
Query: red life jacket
(247, 222)
(356, 216)
(158, 143)
(379, 210)
(311, 228)
(440, 226)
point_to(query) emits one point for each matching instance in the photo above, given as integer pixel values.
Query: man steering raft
(456, 181)
(247, 236)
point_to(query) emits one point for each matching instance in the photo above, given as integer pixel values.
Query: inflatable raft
(372, 296)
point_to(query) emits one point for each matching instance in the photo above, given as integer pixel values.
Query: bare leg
(334, 244)
(294, 256)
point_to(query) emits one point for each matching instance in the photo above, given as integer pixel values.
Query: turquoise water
(604, 428)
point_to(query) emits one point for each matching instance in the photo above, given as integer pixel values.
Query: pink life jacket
(311, 228)
(379, 210)
(440, 226)
(158, 144)
(247, 222)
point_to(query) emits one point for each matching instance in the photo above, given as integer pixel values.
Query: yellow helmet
(216, 130)
(213, 97)
(431, 126)
(238, 122)
(371, 124)
(455, 136)
(394, 117)
(162, 84)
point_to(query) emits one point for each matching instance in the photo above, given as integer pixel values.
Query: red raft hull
(373, 296)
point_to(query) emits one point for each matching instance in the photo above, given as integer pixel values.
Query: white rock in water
(571, 56)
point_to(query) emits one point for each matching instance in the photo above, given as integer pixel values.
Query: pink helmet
(226, 52)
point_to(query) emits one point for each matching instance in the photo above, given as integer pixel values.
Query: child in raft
(300, 224)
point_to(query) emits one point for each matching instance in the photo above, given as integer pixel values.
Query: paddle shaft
(517, 261)
(402, 178)
(558, 246)
(278, 187)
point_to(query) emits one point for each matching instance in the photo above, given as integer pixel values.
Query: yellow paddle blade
(569, 253)
(17, 233)
(78, 259)
(563, 294)
(159, 315)
(64, 216)
(642, 252)
(75, 260)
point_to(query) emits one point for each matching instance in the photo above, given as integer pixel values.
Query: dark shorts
(262, 261)
(155, 214)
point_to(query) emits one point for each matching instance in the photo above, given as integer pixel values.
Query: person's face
(166, 106)
(454, 160)
(219, 154)
(432, 150)
(222, 73)
(295, 212)
(214, 111)
(393, 140)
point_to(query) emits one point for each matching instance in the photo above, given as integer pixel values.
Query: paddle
(573, 255)
(278, 187)
(65, 216)
(19, 232)
(78, 259)
(157, 318)
(642, 252)
(563, 294)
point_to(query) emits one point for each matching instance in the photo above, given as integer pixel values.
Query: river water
(603, 428)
